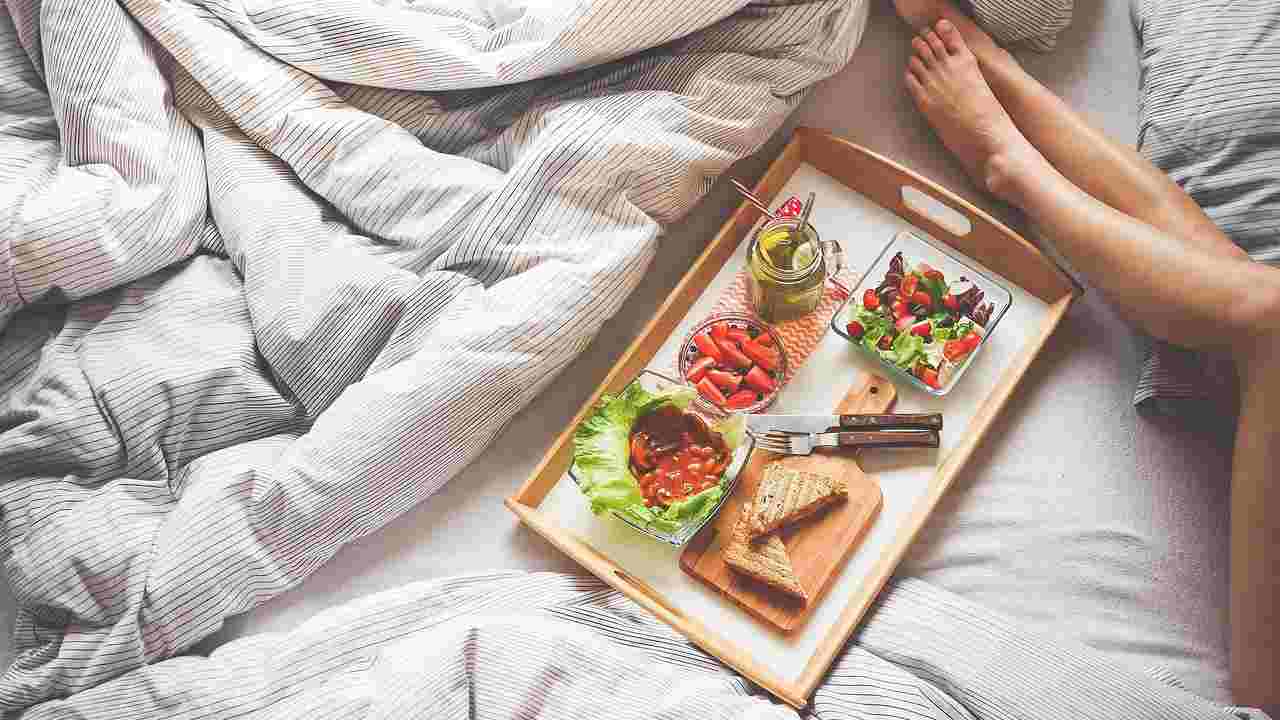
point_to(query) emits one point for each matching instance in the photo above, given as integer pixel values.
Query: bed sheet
(1079, 516)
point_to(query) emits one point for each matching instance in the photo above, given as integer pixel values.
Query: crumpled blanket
(272, 272)
(515, 645)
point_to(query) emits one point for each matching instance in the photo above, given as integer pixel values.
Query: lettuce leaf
(907, 349)
(601, 455)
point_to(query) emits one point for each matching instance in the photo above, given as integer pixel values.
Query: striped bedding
(272, 272)
(1210, 118)
(511, 645)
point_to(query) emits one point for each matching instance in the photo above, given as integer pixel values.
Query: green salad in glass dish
(919, 320)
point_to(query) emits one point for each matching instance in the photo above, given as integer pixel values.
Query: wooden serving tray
(817, 546)
(865, 199)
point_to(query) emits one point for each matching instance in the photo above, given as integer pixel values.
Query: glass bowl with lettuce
(922, 312)
(647, 457)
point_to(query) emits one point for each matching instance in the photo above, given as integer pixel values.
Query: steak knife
(758, 424)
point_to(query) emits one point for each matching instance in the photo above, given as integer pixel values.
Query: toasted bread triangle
(786, 495)
(765, 560)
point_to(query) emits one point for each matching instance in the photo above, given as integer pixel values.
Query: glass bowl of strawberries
(735, 361)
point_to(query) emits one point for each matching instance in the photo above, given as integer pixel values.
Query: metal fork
(803, 444)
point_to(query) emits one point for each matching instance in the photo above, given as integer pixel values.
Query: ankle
(1005, 173)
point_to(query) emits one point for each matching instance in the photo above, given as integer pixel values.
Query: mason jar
(788, 269)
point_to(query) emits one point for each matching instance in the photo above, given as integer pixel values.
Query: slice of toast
(786, 495)
(765, 560)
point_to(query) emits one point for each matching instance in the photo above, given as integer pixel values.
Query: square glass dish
(959, 274)
(657, 383)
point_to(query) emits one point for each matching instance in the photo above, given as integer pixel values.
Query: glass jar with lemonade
(788, 269)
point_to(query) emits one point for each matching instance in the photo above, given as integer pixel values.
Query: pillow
(1210, 118)
(1033, 24)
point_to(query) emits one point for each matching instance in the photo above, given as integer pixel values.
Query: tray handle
(934, 210)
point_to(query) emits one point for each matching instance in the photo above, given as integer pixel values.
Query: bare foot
(922, 15)
(947, 85)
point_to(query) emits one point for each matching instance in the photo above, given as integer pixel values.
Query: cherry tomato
(950, 302)
(921, 297)
(738, 336)
(929, 376)
(870, 300)
(708, 347)
(955, 349)
(909, 284)
(726, 380)
(855, 330)
(765, 339)
(766, 358)
(885, 342)
(932, 274)
(733, 356)
(700, 368)
(709, 391)
(759, 379)
(741, 399)
(922, 328)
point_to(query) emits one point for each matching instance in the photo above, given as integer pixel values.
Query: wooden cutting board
(818, 546)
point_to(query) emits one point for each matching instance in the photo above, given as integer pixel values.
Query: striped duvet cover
(272, 272)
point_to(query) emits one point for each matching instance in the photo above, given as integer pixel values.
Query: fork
(804, 443)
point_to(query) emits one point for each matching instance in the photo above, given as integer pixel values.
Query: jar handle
(833, 256)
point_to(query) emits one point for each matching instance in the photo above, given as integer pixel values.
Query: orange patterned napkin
(799, 336)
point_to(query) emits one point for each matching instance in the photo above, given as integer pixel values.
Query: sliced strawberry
(766, 358)
(922, 328)
(733, 356)
(759, 379)
(726, 380)
(708, 347)
(950, 302)
(855, 330)
(700, 368)
(922, 298)
(905, 322)
(973, 340)
(709, 391)
(900, 310)
(741, 400)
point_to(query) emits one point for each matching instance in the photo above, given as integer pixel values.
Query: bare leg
(1157, 261)
(1108, 170)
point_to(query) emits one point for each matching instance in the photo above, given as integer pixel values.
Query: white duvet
(272, 272)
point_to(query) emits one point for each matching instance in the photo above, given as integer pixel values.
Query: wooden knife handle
(900, 421)
(903, 438)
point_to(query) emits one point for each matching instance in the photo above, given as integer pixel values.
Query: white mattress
(1078, 516)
